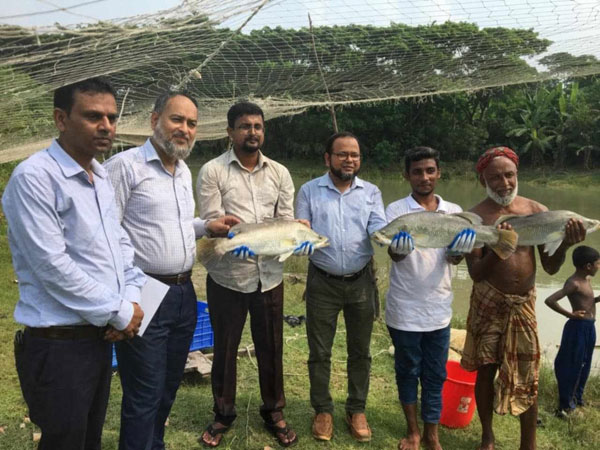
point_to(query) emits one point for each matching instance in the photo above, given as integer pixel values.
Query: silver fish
(547, 228)
(273, 238)
(437, 230)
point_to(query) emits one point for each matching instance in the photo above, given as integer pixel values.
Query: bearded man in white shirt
(418, 303)
(154, 196)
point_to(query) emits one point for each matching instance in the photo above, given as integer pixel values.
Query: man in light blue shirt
(347, 210)
(78, 287)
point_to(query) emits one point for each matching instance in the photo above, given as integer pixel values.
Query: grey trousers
(325, 298)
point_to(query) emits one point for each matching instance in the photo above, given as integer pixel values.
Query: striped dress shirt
(156, 209)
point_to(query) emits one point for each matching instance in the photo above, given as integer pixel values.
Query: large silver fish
(273, 238)
(547, 228)
(436, 230)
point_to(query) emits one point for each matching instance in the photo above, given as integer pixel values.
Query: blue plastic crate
(203, 334)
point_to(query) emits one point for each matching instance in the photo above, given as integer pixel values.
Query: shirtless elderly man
(501, 326)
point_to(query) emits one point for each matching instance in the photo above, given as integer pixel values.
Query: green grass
(192, 409)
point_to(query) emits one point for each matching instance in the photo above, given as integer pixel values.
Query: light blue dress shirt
(347, 219)
(73, 260)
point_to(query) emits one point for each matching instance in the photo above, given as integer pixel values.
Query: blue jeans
(574, 361)
(421, 356)
(151, 369)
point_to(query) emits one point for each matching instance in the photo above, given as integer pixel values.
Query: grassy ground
(192, 409)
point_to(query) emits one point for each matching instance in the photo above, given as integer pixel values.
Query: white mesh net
(265, 50)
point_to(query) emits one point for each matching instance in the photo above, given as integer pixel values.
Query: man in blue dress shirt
(347, 210)
(78, 287)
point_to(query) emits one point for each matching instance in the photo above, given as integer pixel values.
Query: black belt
(178, 278)
(351, 277)
(67, 332)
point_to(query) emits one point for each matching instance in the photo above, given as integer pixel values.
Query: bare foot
(410, 442)
(431, 444)
(486, 446)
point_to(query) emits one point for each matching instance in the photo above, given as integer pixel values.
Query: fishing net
(272, 52)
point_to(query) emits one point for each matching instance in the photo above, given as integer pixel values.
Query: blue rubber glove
(304, 249)
(242, 252)
(402, 243)
(462, 243)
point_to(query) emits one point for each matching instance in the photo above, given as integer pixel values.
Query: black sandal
(214, 432)
(277, 432)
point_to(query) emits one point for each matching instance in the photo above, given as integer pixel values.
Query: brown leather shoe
(359, 427)
(322, 427)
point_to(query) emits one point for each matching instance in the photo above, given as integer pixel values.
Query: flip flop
(278, 431)
(214, 432)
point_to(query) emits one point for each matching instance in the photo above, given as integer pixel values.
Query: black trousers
(66, 384)
(151, 368)
(228, 311)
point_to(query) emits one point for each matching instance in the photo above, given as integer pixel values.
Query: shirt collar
(414, 205)
(326, 181)
(149, 151)
(232, 157)
(151, 154)
(68, 165)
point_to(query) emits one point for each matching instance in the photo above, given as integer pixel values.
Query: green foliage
(24, 101)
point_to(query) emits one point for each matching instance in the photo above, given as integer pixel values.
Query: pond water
(583, 200)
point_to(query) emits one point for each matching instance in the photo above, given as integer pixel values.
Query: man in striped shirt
(154, 195)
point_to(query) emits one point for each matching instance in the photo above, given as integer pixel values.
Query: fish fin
(506, 245)
(380, 239)
(242, 227)
(206, 249)
(471, 217)
(285, 256)
(504, 218)
(552, 246)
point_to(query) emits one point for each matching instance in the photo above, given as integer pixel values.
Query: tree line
(552, 124)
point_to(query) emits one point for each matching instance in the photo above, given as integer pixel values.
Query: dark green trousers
(325, 298)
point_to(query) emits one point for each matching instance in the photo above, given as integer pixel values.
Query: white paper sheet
(153, 294)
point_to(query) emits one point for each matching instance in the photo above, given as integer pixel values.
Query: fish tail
(506, 245)
(206, 249)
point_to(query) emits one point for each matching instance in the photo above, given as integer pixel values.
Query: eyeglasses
(343, 156)
(246, 127)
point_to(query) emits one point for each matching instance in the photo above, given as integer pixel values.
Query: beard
(246, 148)
(344, 176)
(172, 150)
(502, 200)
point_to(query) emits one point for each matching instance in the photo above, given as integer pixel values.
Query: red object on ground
(458, 396)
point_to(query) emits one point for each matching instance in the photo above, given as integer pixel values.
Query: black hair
(243, 109)
(163, 99)
(64, 96)
(419, 153)
(583, 255)
(335, 137)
